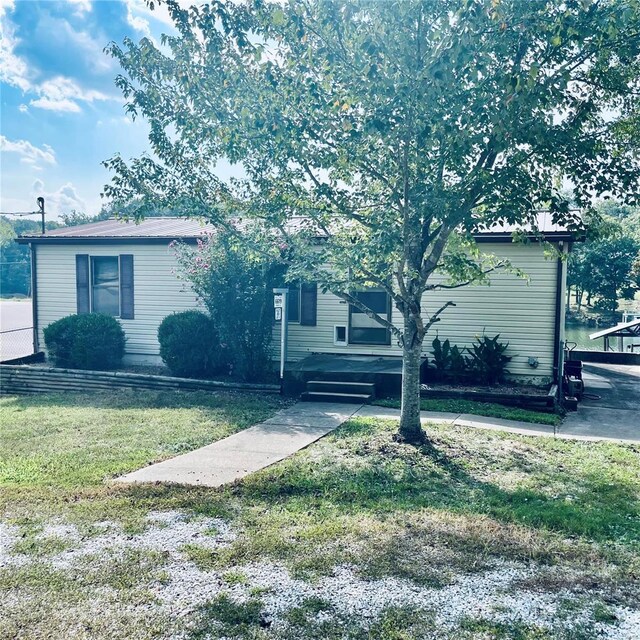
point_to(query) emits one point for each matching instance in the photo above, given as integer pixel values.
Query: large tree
(392, 129)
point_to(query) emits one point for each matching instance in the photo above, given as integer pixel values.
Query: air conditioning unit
(340, 335)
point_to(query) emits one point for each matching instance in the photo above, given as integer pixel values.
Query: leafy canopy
(384, 126)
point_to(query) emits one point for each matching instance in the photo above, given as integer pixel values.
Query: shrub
(58, 337)
(488, 359)
(190, 345)
(86, 341)
(236, 286)
(450, 362)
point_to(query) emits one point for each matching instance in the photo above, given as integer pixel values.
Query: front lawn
(357, 536)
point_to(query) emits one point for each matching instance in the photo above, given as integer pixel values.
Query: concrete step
(332, 396)
(338, 386)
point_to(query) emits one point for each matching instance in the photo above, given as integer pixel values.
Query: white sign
(278, 311)
(278, 300)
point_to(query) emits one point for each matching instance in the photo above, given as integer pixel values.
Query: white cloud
(63, 200)
(27, 152)
(60, 105)
(6, 6)
(13, 70)
(81, 6)
(60, 93)
(23, 108)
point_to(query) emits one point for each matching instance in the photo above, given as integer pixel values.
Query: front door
(366, 330)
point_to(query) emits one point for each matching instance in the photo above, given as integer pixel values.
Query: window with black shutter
(104, 284)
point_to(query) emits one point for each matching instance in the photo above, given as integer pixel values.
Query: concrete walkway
(247, 451)
(611, 411)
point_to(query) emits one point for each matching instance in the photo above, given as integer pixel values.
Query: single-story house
(129, 271)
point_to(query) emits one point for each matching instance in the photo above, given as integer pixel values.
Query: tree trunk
(410, 428)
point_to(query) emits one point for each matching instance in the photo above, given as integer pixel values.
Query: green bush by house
(190, 345)
(485, 364)
(85, 341)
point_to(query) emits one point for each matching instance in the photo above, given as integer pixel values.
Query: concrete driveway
(611, 406)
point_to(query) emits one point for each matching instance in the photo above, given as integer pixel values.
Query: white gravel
(493, 595)
(166, 532)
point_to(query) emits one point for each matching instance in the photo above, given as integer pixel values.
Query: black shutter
(82, 283)
(308, 303)
(126, 287)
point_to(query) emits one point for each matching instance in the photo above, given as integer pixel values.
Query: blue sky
(61, 114)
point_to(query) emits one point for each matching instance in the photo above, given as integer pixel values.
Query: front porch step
(332, 396)
(337, 386)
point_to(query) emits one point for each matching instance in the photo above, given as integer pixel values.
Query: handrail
(12, 330)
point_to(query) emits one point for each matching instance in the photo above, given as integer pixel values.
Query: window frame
(387, 341)
(92, 284)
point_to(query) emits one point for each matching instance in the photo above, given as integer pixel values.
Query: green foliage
(386, 127)
(603, 267)
(58, 338)
(86, 341)
(236, 287)
(190, 345)
(450, 362)
(488, 359)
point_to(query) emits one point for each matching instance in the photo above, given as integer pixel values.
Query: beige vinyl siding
(522, 312)
(157, 290)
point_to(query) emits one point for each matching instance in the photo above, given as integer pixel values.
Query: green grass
(58, 450)
(489, 409)
(356, 496)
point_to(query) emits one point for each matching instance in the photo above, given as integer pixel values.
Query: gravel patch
(496, 595)
(492, 595)
(166, 532)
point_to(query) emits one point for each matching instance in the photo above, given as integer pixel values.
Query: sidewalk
(298, 426)
(247, 451)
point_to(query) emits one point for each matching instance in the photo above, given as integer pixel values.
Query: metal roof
(116, 228)
(158, 229)
(620, 330)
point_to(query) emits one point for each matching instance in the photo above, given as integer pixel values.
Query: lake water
(580, 334)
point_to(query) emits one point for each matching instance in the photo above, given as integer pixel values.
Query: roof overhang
(105, 240)
(494, 238)
(622, 330)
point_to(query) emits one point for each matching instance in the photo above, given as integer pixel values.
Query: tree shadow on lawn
(378, 476)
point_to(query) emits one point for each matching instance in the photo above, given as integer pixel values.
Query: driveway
(15, 314)
(611, 405)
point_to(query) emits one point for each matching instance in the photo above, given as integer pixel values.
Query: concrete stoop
(339, 391)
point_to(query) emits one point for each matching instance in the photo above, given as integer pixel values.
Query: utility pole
(40, 202)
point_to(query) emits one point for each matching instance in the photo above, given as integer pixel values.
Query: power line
(22, 214)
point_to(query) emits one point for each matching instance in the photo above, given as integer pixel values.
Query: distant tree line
(606, 268)
(15, 262)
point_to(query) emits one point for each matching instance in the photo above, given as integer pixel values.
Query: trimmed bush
(58, 337)
(86, 341)
(190, 345)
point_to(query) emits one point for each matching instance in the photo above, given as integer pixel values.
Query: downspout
(559, 319)
(34, 296)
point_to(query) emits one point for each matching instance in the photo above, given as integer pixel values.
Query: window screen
(105, 289)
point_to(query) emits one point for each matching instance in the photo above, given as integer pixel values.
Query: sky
(61, 114)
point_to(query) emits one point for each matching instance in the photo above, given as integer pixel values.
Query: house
(129, 270)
